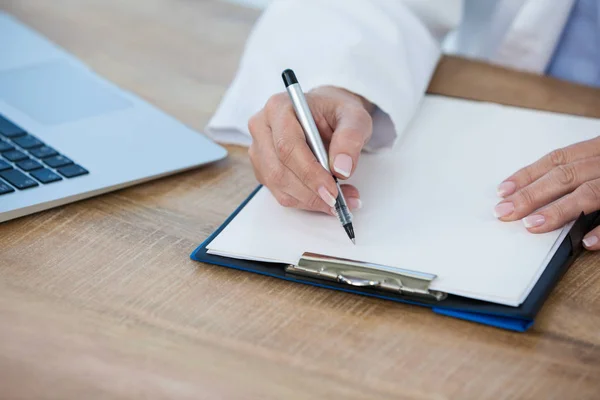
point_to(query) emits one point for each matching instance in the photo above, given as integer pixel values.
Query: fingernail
(503, 209)
(354, 203)
(533, 220)
(506, 188)
(343, 164)
(590, 241)
(326, 196)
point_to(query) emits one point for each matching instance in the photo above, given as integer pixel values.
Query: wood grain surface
(99, 299)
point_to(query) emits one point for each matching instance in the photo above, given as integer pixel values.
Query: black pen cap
(289, 78)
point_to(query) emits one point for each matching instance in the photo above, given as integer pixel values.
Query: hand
(284, 163)
(555, 190)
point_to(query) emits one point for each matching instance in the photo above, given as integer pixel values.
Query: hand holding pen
(315, 142)
(283, 161)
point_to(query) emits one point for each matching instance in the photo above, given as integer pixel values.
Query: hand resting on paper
(554, 190)
(284, 163)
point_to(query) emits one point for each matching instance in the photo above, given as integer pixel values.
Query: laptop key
(5, 146)
(18, 179)
(14, 155)
(9, 129)
(45, 175)
(29, 165)
(4, 165)
(28, 142)
(57, 161)
(5, 188)
(43, 152)
(71, 171)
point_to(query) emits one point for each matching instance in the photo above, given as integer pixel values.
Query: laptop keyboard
(26, 162)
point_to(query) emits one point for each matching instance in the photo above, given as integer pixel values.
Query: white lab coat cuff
(388, 61)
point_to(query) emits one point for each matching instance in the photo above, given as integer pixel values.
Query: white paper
(427, 204)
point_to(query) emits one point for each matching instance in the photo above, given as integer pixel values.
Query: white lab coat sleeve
(383, 50)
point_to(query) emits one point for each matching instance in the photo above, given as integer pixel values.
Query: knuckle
(352, 138)
(527, 197)
(285, 148)
(591, 191)
(363, 116)
(526, 174)
(274, 176)
(566, 174)
(558, 212)
(558, 157)
(355, 142)
(253, 123)
(356, 136)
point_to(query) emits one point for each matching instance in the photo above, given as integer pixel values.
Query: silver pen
(313, 138)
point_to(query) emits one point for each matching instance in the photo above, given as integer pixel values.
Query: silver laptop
(67, 134)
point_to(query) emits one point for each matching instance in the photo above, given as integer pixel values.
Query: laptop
(67, 134)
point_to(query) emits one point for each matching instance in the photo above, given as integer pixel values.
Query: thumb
(352, 130)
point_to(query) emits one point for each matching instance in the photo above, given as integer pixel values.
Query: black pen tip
(289, 77)
(350, 231)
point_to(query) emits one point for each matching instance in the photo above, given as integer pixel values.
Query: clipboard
(360, 277)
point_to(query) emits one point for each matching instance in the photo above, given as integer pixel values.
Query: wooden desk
(100, 300)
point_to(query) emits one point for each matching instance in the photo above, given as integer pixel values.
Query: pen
(313, 137)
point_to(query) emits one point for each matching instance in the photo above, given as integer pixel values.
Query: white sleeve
(383, 50)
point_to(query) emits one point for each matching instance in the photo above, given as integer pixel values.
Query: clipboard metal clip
(367, 275)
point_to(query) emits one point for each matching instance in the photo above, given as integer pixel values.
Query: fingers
(353, 128)
(314, 203)
(285, 186)
(556, 158)
(293, 152)
(586, 199)
(285, 164)
(556, 183)
(591, 241)
(281, 181)
(554, 190)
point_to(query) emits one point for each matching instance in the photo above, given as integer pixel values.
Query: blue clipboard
(517, 319)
